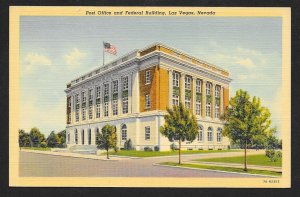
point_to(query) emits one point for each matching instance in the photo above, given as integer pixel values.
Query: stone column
(203, 101)
(170, 88)
(182, 87)
(135, 100)
(213, 100)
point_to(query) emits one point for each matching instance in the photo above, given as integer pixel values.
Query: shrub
(148, 149)
(128, 145)
(228, 147)
(116, 149)
(173, 146)
(273, 155)
(278, 154)
(43, 144)
(156, 148)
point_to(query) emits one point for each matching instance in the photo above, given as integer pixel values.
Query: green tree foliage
(246, 121)
(107, 139)
(128, 145)
(36, 137)
(180, 124)
(24, 139)
(62, 137)
(273, 143)
(53, 140)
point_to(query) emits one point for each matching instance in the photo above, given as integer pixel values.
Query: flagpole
(103, 53)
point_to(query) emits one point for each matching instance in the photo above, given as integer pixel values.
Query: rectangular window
(98, 109)
(209, 136)
(125, 105)
(198, 86)
(125, 83)
(147, 100)
(217, 101)
(90, 95)
(83, 114)
(147, 133)
(69, 118)
(198, 108)
(125, 95)
(77, 107)
(187, 83)
(147, 77)
(187, 102)
(106, 89)
(98, 92)
(175, 79)
(83, 97)
(106, 109)
(175, 100)
(115, 87)
(208, 110)
(208, 100)
(115, 107)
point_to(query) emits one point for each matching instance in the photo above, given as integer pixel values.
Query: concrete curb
(203, 169)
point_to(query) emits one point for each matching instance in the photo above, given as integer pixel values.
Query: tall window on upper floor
(90, 95)
(200, 134)
(147, 77)
(198, 97)
(208, 99)
(147, 101)
(175, 97)
(188, 93)
(217, 101)
(77, 107)
(219, 135)
(83, 105)
(76, 136)
(115, 97)
(210, 134)
(98, 101)
(106, 98)
(125, 95)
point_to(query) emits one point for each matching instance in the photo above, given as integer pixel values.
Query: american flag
(110, 48)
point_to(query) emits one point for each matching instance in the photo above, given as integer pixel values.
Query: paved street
(43, 165)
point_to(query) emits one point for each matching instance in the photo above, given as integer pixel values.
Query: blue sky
(55, 50)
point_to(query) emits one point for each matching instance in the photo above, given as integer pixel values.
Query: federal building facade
(133, 92)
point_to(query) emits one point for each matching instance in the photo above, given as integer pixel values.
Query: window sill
(147, 83)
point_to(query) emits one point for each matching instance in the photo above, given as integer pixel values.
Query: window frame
(147, 77)
(147, 101)
(147, 133)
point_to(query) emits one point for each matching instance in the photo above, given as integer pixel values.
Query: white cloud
(74, 58)
(251, 76)
(34, 61)
(246, 62)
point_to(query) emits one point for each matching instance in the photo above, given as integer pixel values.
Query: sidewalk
(237, 165)
(77, 155)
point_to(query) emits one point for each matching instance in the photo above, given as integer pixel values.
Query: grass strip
(37, 148)
(259, 159)
(227, 169)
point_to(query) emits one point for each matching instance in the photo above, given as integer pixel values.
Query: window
(69, 118)
(200, 134)
(198, 86)
(89, 137)
(68, 138)
(125, 83)
(217, 101)
(106, 109)
(98, 109)
(125, 105)
(115, 107)
(98, 101)
(115, 87)
(147, 133)
(219, 135)
(76, 136)
(82, 136)
(187, 83)
(175, 100)
(198, 108)
(77, 107)
(106, 98)
(147, 100)
(175, 79)
(187, 102)
(83, 104)
(209, 134)
(147, 77)
(98, 92)
(208, 99)
(96, 135)
(90, 104)
(69, 102)
(124, 132)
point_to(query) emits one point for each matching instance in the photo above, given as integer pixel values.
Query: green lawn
(134, 153)
(37, 148)
(260, 159)
(229, 169)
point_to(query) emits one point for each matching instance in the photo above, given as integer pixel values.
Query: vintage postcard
(150, 97)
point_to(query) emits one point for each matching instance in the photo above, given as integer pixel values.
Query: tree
(246, 121)
(24, 139)
(107, 139)
(180, 124)
(53, 140)
(62, 137)
(36, 137)
(128, 145)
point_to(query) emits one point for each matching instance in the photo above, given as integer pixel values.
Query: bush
(228, 147)
(148, 149)
(173, 146)
(116, 149)
(273, 155)
(128, 145)
(156, 148)
(43, 144)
